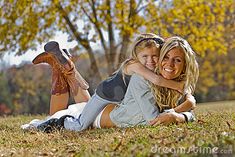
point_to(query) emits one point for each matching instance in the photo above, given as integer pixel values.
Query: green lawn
(212, 134)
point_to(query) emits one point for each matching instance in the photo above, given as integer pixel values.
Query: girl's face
(149, 57)
(173, 63)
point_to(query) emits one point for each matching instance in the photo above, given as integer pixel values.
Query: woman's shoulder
(138, 80)
(137, 77)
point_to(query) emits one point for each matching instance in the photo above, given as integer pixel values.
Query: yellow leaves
(202, 22)
(206, 76)
(220, 27)
(206, 68)
(229, 77)
(216, 72)
(209, 82)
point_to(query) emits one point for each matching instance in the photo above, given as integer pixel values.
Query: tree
(112, 24)
(5, 95)
(28, 86)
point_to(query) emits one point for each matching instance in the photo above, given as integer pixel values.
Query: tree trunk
(86, 45)
(124, 48)
(112, 52)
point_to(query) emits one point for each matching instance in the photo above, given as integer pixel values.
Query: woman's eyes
(177, 60)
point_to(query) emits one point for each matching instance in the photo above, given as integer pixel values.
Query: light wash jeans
(91, 110)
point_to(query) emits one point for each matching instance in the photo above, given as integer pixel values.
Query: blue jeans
(91, 110)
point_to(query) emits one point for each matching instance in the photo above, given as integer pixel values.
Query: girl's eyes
(146, 56)
(165, 58)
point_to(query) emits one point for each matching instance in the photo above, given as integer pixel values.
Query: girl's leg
(77, 85)
(77, 89)
(82, 95)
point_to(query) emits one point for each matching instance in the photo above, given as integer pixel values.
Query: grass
(212, 134)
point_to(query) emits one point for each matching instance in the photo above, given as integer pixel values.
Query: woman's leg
(59, 86)
(91, 110)
(105, 121)
(86, 118)
(58, 102)
(65, 78)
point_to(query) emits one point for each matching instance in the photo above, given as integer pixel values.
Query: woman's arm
(139, 69)
(168, 118)
(180, 115)
(187, 105)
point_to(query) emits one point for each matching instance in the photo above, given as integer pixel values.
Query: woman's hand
(167, 118)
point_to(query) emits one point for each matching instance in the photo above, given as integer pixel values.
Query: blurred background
(99, 34)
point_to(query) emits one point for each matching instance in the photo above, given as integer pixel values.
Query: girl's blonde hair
(168, 98)
(146, 40)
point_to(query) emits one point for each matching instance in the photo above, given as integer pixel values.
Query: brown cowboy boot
(74, 79)
(59, 59)
(59, 84)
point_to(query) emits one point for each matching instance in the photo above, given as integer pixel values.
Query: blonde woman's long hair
(168, 98)
(145, 40)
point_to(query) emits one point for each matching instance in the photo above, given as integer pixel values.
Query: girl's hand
(181, 87)
(191, 98)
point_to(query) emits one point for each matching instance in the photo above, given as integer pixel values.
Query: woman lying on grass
(140, 106)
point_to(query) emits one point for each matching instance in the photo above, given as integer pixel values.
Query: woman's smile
(168, 70)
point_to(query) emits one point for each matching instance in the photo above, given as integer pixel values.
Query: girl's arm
(140, 69)
(188, 104)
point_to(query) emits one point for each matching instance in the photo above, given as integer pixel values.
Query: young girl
(143, 61)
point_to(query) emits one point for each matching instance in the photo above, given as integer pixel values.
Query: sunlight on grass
(212, 134)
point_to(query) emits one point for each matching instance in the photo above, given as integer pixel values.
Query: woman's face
(149, 57)
(173, 63)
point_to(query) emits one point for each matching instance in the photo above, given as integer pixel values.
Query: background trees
(110, 24)
(28, 88)
(209, 28)
(105, 29)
